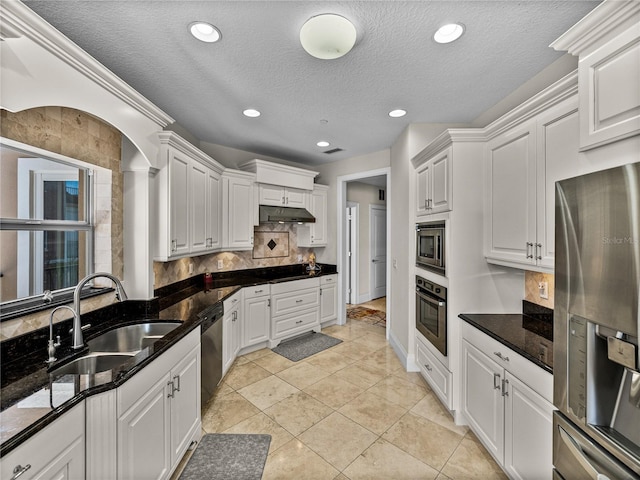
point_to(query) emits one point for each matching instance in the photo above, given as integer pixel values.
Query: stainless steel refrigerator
(596, 323)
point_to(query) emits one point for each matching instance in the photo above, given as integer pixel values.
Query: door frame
(352, 263)
(342, 259)
(372, 208)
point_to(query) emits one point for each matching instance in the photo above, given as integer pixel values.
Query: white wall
(364, 195)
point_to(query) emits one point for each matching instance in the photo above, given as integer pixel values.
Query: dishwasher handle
(579, 455)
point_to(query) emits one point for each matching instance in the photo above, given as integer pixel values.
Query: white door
(378, 251)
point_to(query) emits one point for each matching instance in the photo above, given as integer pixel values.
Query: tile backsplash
(166, 273)
(531, 291)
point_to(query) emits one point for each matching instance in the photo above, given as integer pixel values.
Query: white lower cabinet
(256, 315)
(56, 452)
(328, 298)
(159, 413)
(435, 373)
(230, 331)
(295, 309)
(506, 400)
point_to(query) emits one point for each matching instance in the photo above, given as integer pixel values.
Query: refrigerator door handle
(576, 451)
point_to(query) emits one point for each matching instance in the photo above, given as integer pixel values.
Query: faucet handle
(47, 296)
(57, 342)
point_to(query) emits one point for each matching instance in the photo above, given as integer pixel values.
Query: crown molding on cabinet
(601, 22)
(279, 174)
(17, 21)
(174, 140)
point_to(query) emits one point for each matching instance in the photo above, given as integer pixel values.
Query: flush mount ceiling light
(449, 32)
(205, 32)
(327, 36)
(322, 143)
(397, 113)
(251, 112)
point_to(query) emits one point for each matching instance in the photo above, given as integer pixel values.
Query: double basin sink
(115, 347)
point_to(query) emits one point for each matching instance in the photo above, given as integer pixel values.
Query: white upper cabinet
(523, 162)
(238, 210)
(433, 183)
(315, 234)
(607, 42)
(188, 200)
(282, 196)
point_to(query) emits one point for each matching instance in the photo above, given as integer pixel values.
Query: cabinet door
(255, 320)
(482, 401)
(271, 195)
(511, 216)
(179, 204)
(227, 340)
(528, 432)
(69, 465)
(240, 232)
(198, 207)
(296, 197)
(557, 159)
(440, 195)
(185, 404)
(214, 210)
(143, 435)
(328, 302)
(319, 210)
(423, 176)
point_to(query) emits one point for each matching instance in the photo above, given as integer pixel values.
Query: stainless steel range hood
(270, 214)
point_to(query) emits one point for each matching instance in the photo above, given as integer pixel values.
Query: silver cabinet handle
(268, 302)
(299, 321)
(529, 247)
(170, 384)
(19, 470)
(257, 291)
(425, 204)
(429, 369)
(496, 381)
(177, 377)
(283, 200)
(505, 384)
(501, 357)
(299, 301)
(209, 242)
(538, 246)
(174, 245)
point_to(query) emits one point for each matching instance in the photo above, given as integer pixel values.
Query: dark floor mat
(305, 346)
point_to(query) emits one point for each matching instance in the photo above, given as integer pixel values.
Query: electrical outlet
(190, 268)
(220, 264)
(299, 258)
(543, 289)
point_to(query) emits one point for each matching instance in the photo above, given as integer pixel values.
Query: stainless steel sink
(92, 363)
(131, 338)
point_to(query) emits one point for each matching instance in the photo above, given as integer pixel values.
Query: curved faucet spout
(51, 346)
(121, 295)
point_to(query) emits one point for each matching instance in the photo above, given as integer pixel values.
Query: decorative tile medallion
(270, 244)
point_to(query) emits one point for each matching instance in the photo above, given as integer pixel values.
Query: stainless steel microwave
(430, 246)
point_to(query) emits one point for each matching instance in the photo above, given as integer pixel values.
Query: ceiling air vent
(333, 150)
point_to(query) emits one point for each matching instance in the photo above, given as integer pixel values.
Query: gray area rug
(227, 456)
(305, 346)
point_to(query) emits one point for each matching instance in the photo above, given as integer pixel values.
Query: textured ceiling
(259, 63)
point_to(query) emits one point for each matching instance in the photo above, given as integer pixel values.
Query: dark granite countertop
(522, 332)
(31, 398)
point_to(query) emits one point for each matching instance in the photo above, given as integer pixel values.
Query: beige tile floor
(350, 412)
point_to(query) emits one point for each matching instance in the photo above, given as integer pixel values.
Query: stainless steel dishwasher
(211, 350)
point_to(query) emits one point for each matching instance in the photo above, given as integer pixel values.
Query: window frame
(33, 225)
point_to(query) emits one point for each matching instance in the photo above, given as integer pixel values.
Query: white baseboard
(364, 298)
(399, 349)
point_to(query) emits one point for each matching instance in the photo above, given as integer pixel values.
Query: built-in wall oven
(430, 246)
(431, 312)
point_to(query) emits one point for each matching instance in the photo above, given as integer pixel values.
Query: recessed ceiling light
(323, 144)
(251, 112)
(327, 36)
(397, 113)
(205, 32)
(449, 32)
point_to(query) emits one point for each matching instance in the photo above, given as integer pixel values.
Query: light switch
(220, 264)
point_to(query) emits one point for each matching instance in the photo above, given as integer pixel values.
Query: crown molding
(18, 21)
(172, 139)
(598, 23)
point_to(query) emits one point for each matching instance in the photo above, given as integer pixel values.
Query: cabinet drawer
(329, 280)
(436, 374)
(231, 302)
(136, 387)
(256, 291)
(535, 377)
(297, 321)
(285, 303)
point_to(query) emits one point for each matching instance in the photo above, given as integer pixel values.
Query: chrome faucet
(51, 347)
(78, 341)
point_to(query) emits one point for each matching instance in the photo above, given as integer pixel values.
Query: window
(46, 222)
